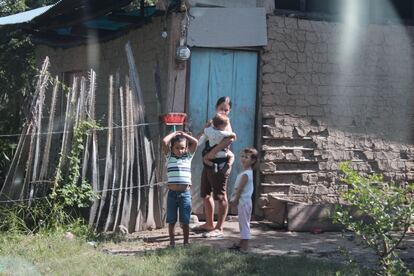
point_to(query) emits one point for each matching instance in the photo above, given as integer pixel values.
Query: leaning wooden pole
(36, 138)
(109, 159)
(48, 143)
(95, 158)
(15, 181)
(17, 178)
(144, 201)
(81, 114)
(38, 126)
(78, 117)
(32, 163)
(70, 102)
(147, 151)
(128, 195)
(11, 185)
(134, 191)
(116, 180)
(122, 168)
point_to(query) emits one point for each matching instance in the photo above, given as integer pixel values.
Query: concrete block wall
(331, 93)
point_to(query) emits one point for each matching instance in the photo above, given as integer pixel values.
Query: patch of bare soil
(267, 240)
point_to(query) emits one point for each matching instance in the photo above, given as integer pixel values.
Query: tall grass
(52, 255)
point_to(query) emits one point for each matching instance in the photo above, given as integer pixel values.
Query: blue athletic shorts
(181, 202)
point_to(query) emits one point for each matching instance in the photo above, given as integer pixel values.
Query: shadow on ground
(268, 241)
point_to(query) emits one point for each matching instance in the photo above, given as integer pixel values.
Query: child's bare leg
(244, 245)
(171, 232)
(230, 156)
(186, 232)
(208, 162)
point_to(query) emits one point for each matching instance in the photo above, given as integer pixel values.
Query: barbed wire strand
(61, 132)
(100, 191)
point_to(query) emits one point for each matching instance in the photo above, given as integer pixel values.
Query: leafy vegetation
(7, 150)
(59, 211)
(41, 216)
(69, 191)
(385, 211)
(17, 75)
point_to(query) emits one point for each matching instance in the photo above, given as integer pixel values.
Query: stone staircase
(286, 163)
(288, 166)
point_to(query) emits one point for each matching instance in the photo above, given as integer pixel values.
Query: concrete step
(291, 166)
(303, 142)
(285, 153)
(276, 184)
(267, 137)
(286, 148)
(287, 172)
(283, 190)
(282, 197)
(296, 179)
(299, 161)
(283, 138)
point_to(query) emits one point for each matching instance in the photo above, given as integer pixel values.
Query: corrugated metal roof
(69, 22)
(24, 17)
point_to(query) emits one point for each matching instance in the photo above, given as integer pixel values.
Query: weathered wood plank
(109, 172)
(48, 143)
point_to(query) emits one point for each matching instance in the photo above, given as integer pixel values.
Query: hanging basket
(174, 118)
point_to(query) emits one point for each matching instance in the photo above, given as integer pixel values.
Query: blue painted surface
(102, 22)
(215, 73)
(23, 17)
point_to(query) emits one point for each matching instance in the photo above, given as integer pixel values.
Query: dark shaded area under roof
(70, 22)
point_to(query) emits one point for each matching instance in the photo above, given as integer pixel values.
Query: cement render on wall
(108, 58)
(331, 94)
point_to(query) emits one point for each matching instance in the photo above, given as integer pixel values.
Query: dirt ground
(267, 240)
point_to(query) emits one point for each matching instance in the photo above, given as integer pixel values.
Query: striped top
(179, 169)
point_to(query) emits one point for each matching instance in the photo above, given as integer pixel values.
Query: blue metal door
(216, 73)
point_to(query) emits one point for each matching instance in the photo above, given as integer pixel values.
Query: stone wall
(331, 93)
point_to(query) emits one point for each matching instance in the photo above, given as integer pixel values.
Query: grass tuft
(54, 255)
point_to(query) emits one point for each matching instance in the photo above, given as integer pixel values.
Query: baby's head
(220, 121)
(179, 145)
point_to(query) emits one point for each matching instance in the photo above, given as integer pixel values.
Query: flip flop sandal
(213, 234)
(199, 229)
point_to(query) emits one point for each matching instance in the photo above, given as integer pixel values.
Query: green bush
(388, 209)
(59, 212)
(74, 191)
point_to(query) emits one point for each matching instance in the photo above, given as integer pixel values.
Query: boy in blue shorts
(179, 148)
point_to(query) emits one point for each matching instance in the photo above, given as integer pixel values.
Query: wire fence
(62, 132)
(91, 129)
(97, 192)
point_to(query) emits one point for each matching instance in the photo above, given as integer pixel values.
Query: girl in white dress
(242, 197)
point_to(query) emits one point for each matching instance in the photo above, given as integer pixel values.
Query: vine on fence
(73, 193)
(58, 212)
